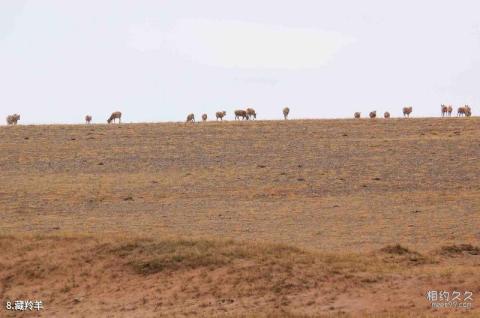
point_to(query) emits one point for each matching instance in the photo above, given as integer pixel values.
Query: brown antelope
(114, 116)
(241, 113)
(461, 111)
(251, 113)
(286, 111)
(88, 119)
(386, 115)
(356, 115)
(204, 117)
(407, 111)
(444, 109)
(13, 119)
(373, 114)
(468, 111)
(190, 118)
(449, 110)
(221, 115)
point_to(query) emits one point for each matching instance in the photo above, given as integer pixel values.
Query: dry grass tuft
(399, 253)
(396, 250)
(452, 250)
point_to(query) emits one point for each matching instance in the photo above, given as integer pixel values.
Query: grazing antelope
(190, 118)
(373, 114)
(461, 111)
(221, 115)
(251, 113)
(468, 111)
(444, 109)
(407, 111)
(356, 115)
(286, 111)
(13, 119)
(449, 110)
(386, 115)
(241, 113)
(88, 119)
(114, 116)
(204, 117)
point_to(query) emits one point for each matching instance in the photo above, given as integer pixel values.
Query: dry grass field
(295, 218)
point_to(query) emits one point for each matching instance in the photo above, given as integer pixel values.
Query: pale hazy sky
(159, 60)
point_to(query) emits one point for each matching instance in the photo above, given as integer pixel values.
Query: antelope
(13, 119)
(221, 115)
(241, 113)
(444, 109)
(286, 111)
(88, 119)
(468, 111)
(449, 110)
(461, 111)
(251, 113)
(386, 115)
(114, 116)
(204, 117)
(407, 111)
(356, 115)
(190, 118)
(373, 114)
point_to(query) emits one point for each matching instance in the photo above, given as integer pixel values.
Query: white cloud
(243, 44)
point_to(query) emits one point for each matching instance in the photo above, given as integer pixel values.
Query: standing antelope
(241, 113)
(88, 119)
(356, 115)
(373, 114)
(386, 115)
(221, 115)
(461, 111)
(190, 118)
(449, 110)
(468, 111)
(204, 117)
(251, 113)
(407, 111)
(13, 119)
(286, 111)
(444, 109)
(114, 116)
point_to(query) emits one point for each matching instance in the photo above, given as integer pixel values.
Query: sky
(160, 60)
